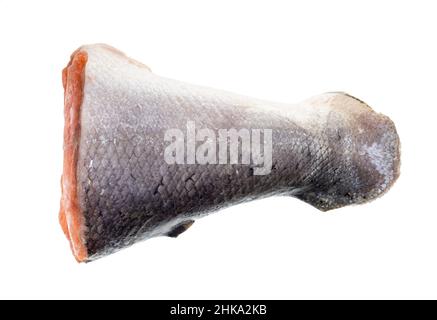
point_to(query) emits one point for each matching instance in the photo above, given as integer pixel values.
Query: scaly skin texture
(329, 151)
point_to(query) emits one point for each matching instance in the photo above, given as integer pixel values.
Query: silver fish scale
(129, 183)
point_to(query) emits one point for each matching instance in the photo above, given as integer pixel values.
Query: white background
(383, 52)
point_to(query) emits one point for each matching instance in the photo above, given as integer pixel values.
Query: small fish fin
(180, 228)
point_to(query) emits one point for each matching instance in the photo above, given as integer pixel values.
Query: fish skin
(330, 151)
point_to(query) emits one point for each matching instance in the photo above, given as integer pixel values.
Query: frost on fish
(330, 151)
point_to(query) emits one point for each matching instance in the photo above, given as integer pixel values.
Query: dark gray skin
(341, 153)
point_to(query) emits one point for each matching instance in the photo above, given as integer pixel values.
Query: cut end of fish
(70, 216)
(369, 146)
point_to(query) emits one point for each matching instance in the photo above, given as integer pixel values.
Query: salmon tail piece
(131, 174)
(70, 217)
